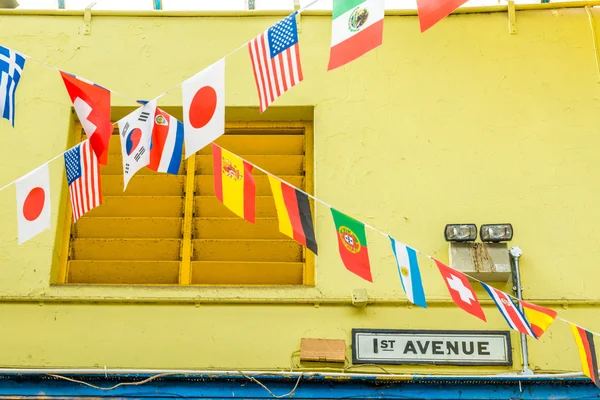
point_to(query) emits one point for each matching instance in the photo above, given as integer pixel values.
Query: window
(170, 230)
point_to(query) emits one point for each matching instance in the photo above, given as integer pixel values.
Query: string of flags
(522, 316)
(154, 139)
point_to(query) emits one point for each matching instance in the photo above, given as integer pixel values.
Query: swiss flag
(203, 107)
(33, 203)
(461, 290)
(92, 105)
(433, 11)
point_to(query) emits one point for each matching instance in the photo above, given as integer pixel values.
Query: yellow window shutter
(169, 230)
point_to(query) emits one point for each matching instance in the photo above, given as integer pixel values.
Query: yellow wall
(464, 123)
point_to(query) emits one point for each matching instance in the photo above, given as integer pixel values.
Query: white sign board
(386, 346)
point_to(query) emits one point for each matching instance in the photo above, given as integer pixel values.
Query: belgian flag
(587, 352)
(293, 211)
(234, 183)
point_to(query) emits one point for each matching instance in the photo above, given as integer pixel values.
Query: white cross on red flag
(461, 290)
(92, 106)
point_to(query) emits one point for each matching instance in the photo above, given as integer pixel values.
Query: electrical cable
(290, 393)
(115, 386)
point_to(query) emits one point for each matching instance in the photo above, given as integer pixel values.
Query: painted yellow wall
(464, 123)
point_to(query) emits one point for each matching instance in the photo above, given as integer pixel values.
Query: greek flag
(11, 68)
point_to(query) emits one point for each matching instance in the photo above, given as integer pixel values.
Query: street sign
(388, 346)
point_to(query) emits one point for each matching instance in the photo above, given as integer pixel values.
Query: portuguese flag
(357, 28)
(352, 242)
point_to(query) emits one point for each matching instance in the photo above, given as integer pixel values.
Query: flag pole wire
(237, 49)
(388, 236)
(254, 165)
(127, 97)
(60, 70)
(47, 162)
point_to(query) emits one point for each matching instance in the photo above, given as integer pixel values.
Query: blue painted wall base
(315, 387)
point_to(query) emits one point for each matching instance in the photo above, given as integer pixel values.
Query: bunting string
(299, 11)
(316, 199)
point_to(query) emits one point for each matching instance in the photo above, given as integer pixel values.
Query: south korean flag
(136, 135)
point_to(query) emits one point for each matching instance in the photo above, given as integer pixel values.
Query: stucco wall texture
(465, 123)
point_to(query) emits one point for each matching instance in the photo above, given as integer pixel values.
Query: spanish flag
(293, 211)
(234, 183)
(539, 317)
(587, 352)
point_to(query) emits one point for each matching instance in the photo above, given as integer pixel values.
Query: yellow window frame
(189, 165)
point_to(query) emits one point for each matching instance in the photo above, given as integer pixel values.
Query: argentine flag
(408, 269)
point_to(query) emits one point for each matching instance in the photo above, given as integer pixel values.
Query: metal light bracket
(512, 18)
(86, 28)
(298, 15)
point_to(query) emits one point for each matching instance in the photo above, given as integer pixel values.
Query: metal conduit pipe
(515, 254)
(309, 12)
(231, 373)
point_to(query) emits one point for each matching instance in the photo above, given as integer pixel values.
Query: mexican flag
(352, 242)
(357, 28)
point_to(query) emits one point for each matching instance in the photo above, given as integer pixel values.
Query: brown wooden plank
(205, 184)
(126, 249)
(129, 227)
(144, 185)
(237, 228)
(124, 272)
(246, 273)
(139, 206)
(277, 165)
(246, 250)
(210, 206)
(115, 167)
(260, 144)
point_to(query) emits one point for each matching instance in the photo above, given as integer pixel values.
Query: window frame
(185, 274)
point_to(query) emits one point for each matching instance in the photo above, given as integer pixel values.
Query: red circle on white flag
(203, 107)
(34, 204)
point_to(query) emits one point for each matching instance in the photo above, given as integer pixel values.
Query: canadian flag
(33, 203)
(203, 107)
(461, 290)
(92, 105)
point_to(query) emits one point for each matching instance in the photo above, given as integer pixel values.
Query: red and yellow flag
(234, 183)
(539, 317)
(587, 352)
(352, 243)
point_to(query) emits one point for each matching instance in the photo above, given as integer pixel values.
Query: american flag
(83, 175)
(276, 60)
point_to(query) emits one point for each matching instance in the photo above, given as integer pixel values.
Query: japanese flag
(204, 107)
(135, 131)
(33, 203)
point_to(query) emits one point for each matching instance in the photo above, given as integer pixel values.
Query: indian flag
(357, 28)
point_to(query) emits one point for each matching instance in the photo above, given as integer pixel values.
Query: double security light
(460, 232)
(496, 233)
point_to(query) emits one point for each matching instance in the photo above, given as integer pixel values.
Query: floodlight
(460, 232)
(496, 232)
